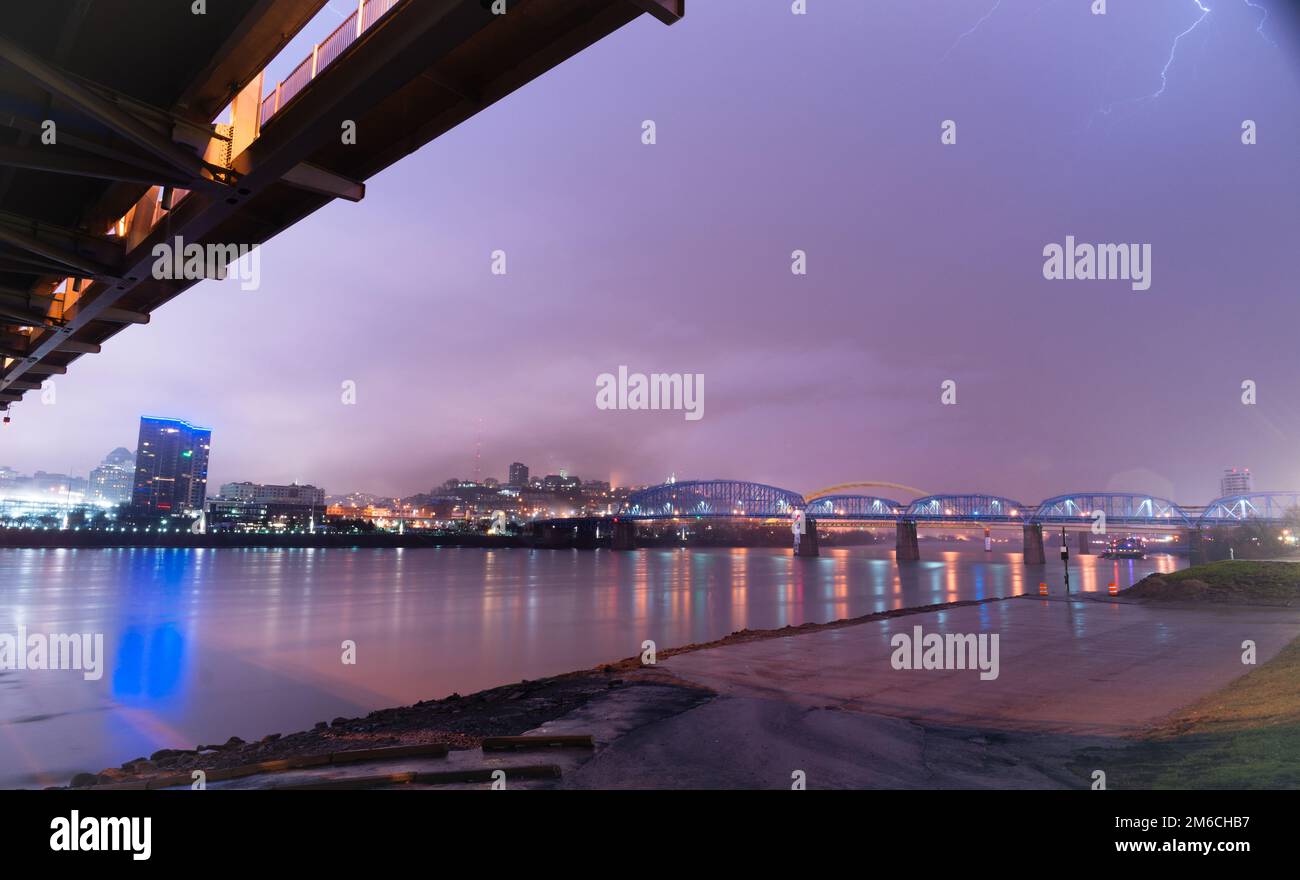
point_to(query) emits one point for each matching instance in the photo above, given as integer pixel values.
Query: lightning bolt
(1164, 71)
(1173, 50)
(1260, 30)
(976, 27)
(1169, 62)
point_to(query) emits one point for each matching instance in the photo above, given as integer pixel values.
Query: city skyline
(913, 279)
(1232, 480)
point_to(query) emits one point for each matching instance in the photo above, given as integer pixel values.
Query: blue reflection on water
(149, 664)
(151, 647)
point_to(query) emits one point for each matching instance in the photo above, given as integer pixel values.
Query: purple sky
(778, 132)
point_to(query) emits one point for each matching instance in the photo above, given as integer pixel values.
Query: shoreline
(463, 722)
(624, 707)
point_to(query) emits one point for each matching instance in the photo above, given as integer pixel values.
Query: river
(200, 645)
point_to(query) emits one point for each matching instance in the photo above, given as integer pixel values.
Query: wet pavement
(829, 706)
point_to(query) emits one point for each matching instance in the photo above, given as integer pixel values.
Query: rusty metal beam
(29, 264)
(108, 112)
(25, 317)
(59, 161)
(667, 11)
(15, 296)
(121, 316)
(45, 369)
(315, 179)
(66, 247)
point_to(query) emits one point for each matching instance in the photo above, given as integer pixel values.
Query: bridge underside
(133, 90)
(130, 90)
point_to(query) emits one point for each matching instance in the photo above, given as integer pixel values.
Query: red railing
(268, 108)
(333, 45)
(294, 82)
(323, 54)
(373, 10)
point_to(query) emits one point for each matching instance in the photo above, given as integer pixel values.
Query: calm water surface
(204, 644)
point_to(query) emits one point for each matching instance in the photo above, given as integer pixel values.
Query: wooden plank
(439, 777)
(506, 743)
(390, 753)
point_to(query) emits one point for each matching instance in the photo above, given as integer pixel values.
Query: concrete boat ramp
(830, 705)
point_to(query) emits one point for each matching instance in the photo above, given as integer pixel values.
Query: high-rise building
(114, 479)
(518, 474)
(561, 482)
(171, 466)
(1235, 481)
(270, 493)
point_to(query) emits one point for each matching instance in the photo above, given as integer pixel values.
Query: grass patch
(1239, 581)
(1246, 735)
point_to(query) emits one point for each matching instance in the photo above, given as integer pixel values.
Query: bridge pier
(587, 534)
(552, 535)
(905, 546)
(624, 535)
(1085, 543)
(1197, 552)
(808, 540)
(1034, 554)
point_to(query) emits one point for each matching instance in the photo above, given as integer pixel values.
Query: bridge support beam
(1034, 554)
(1197, 552)
(808, 540)
(553, 536)
(624, 535)
(905, 546)
(586, 535)
(1085, 543)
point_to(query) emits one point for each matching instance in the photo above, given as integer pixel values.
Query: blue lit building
(171, 466)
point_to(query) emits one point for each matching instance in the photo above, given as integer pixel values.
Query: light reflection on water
(205, 644)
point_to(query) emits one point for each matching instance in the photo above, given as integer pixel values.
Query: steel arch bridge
(1271, 507)
(720, 498)
(965, 509)
(741, 498)
(840, 489)
(855, 507)
(1120, 508)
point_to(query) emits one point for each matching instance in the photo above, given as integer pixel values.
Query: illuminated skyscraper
(171, 466)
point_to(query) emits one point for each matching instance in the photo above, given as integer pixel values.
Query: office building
(270, 493)
(1235, 481)
(171, 466)
(266, 507)
(112, 482)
